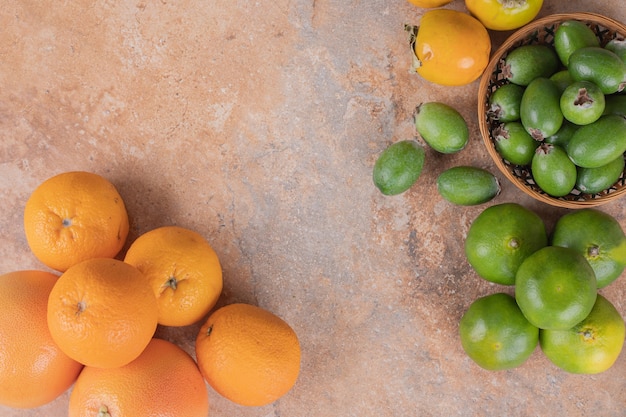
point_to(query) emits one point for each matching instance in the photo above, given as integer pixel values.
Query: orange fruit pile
(94, 326)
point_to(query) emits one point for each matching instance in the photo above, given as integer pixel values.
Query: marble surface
(257, 124)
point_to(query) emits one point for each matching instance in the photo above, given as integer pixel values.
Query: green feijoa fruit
(505, 102)
(582, 102)
(553, 171)
(467, 185)
(563, 136)
(598, 143)
(595, 180)
(527, 62)
(540, 109)
(617, 46)
(600, 66)
(398, 167)
(514, 143)
(615, 104)
(572, 35)
(562, 79)
(441, 126)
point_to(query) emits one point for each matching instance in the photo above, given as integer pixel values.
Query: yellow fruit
(183, 271)
(504, 14)
(590, 347)
(427, 4)
(451, 48)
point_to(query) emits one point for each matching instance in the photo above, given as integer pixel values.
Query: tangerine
(591, 346)
(75, 216)
(248, 354)
(163, 381)
(183, 270)
(33, 370)
(102, 312)
(501, 238)
(495, 334)
(555, 288)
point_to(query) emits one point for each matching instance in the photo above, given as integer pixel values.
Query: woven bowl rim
(604, 27)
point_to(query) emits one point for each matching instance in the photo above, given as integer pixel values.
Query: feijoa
(553, 171)
(563, 136)
(398, 167)
(514, 143)
(618, 46)
(598, 143)
(615, 104)
(600, 66)
(562, 79)
(595, 180)
(467, 185)
(441, 126)
(572, 35)
(582, 102)
(540, 108)
(505, 102)
(527, 62)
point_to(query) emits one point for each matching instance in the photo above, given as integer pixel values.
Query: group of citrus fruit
(556, 278)
(93, 326)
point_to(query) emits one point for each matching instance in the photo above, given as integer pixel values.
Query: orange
(591, 346)
(75, 216)
(248, 354)
(501, 238)
(102, 312)
(183, 270)
(163, 381)
(555, 288)
(495, 334)
(33, 370)
(450, 47)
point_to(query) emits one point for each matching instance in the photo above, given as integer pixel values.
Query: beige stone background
(257, 124)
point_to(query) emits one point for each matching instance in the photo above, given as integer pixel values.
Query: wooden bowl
(541, 31)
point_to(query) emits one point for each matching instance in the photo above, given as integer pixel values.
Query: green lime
(591, 346)
(495, 334)
(598, 237)
(555, 288)
(500, 238)
(398, 167)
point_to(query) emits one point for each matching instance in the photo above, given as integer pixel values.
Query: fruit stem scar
(593, 251)
(80, 307)
(513, 243)
(587, 334)
(103, 411)
(209, 330)
(172, 282)
(67, 222)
